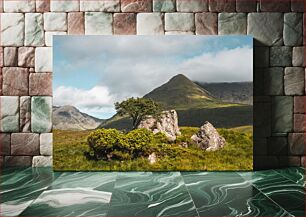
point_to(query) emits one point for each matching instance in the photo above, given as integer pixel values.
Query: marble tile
(151, 194)
(152, 181)
(21, 186)
(102, 181)
(228, 194)
(42, 192)
(296, 174)
(8, 173)
(75, 194)
(70, 202)
(140, 187)
(285, 192)
(183, 208)
(173, 177)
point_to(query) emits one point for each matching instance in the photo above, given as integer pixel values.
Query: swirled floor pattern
(42, 192)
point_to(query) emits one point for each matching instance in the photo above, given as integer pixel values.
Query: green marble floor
(42, 192)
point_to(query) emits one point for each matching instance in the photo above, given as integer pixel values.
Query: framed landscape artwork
(153, 103)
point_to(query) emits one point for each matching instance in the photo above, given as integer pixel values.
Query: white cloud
(126, 77)
(224, 66)
(95, 98)
(86, 48)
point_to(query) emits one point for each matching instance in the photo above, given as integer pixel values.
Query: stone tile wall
(27, 27)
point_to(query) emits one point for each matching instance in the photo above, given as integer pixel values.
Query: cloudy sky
(93, 72)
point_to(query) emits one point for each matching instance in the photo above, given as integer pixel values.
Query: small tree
(137, 109)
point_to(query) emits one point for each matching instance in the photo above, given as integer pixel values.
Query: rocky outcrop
(167, 124)
(208, 138)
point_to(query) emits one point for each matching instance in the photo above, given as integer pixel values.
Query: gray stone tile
(15, 81)
(272, 6)
(9, 115)
(293, 29)
(25, 114)
(222, 5)
(18, 161)
(246, 5)
(262, 119)
(206, 23)
(261, 56)
(163, 5)
(232, 23)
(259, 87)
(41, 109)
(179, 22)
(294, 81)
(297, 5)
(42, 161)
(280, 56)
(274, 81)
(282, 117)
(10, 56)
(191, 5)
(5, 144)
(266, 28)
(296, 143)
(25, 144)
(298, 56)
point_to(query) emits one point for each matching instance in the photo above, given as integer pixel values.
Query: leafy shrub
(138, 142)
(104, 141)
(121, 155)
(109, 144)
(160, 138)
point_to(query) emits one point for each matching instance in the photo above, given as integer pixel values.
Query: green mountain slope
(181, 93)
(194, 105)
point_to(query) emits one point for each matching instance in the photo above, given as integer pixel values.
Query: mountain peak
(179, 76)
(179, 92)
(68, 108)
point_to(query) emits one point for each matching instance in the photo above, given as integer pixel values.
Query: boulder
(184, 145)
(167, 124)
(152, 158)
(208, 138)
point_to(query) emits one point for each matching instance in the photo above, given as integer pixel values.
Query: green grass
(244, 129)
(69, 148)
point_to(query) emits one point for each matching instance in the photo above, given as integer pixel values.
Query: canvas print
(153, 103)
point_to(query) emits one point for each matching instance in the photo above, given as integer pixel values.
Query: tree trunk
(136, 122)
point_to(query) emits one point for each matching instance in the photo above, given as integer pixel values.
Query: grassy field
(70, 146)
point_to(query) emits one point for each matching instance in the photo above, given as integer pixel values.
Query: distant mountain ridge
(70, 118)
(234, 92)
